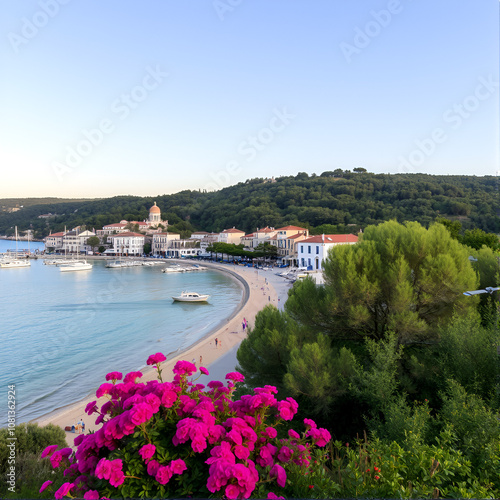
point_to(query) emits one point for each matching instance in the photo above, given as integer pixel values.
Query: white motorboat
(174, 269)
(77, 265)
(57, 262)
(115, 264)
(191, 297)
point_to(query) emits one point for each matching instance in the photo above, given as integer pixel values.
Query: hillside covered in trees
(337, 198)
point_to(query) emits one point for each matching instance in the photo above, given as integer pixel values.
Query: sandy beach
(260, 288)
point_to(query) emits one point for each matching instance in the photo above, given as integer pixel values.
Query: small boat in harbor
(7, 262)
(77, 265)
(176, 268)
(191, 297)
(15, 259)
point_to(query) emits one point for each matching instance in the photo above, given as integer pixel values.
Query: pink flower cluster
(236, 439)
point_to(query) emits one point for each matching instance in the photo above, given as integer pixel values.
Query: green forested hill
(338, 198)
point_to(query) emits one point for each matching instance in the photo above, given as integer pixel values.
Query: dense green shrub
(30, 441)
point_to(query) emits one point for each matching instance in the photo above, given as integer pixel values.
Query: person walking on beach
(216, 342)
(243, 325)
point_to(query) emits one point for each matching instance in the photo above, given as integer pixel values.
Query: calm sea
(61, 333)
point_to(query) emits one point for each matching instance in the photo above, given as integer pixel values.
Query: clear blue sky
(204, 94)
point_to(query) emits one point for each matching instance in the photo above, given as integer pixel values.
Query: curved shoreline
(228, 331)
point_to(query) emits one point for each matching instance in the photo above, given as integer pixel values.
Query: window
(317, 250)
(308, 248)
(302, 248)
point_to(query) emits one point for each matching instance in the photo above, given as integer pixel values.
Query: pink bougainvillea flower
(45, 486)
(178, 466)
(63, 490)
(155, 358)
(141, 413)
(147, 451)
(235, 376)
(232, 491)
(285, 410)
(56, 459)
(273, 496)
(270, 432)
(104, 389)
(184, 368)
(91, 495)
(242, 452)
(132, 377)
(91, 408)
(310, 423)
(279, 473)
(319, 436)
(153, 467)
(285, 454)
(214, 384)
(267, 389)
(204, 370)
(49, 451)
(163, 475)
(103, 469)
(114, 376)
(293, 434)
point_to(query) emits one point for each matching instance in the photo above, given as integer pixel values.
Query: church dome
(154, 209)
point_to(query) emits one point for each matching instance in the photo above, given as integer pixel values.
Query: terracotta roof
(55, 234)
(265, 230)
(233, 230)
(273, 237)
(200, 232)
(139, 222)
(332, 238)
(251, 235)
(291, 228)
(295, 236)
(116, 224)
(121, 235)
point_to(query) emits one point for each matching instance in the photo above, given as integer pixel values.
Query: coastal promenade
(260, 288)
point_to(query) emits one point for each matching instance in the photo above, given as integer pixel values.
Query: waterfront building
(128, 243)
(54, 242)
(231, 236)
(162, 242)
(285, 245)
(312, 251)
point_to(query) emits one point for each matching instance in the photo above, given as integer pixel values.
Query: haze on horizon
(126, 98)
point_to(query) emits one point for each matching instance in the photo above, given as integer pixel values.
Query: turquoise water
(62, 332)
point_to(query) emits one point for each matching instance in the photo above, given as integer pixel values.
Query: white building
(313, 251)
(162, 242)
(54, 241)
(75, 242)
(127, 243)
(108, 229)
(184, 248)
